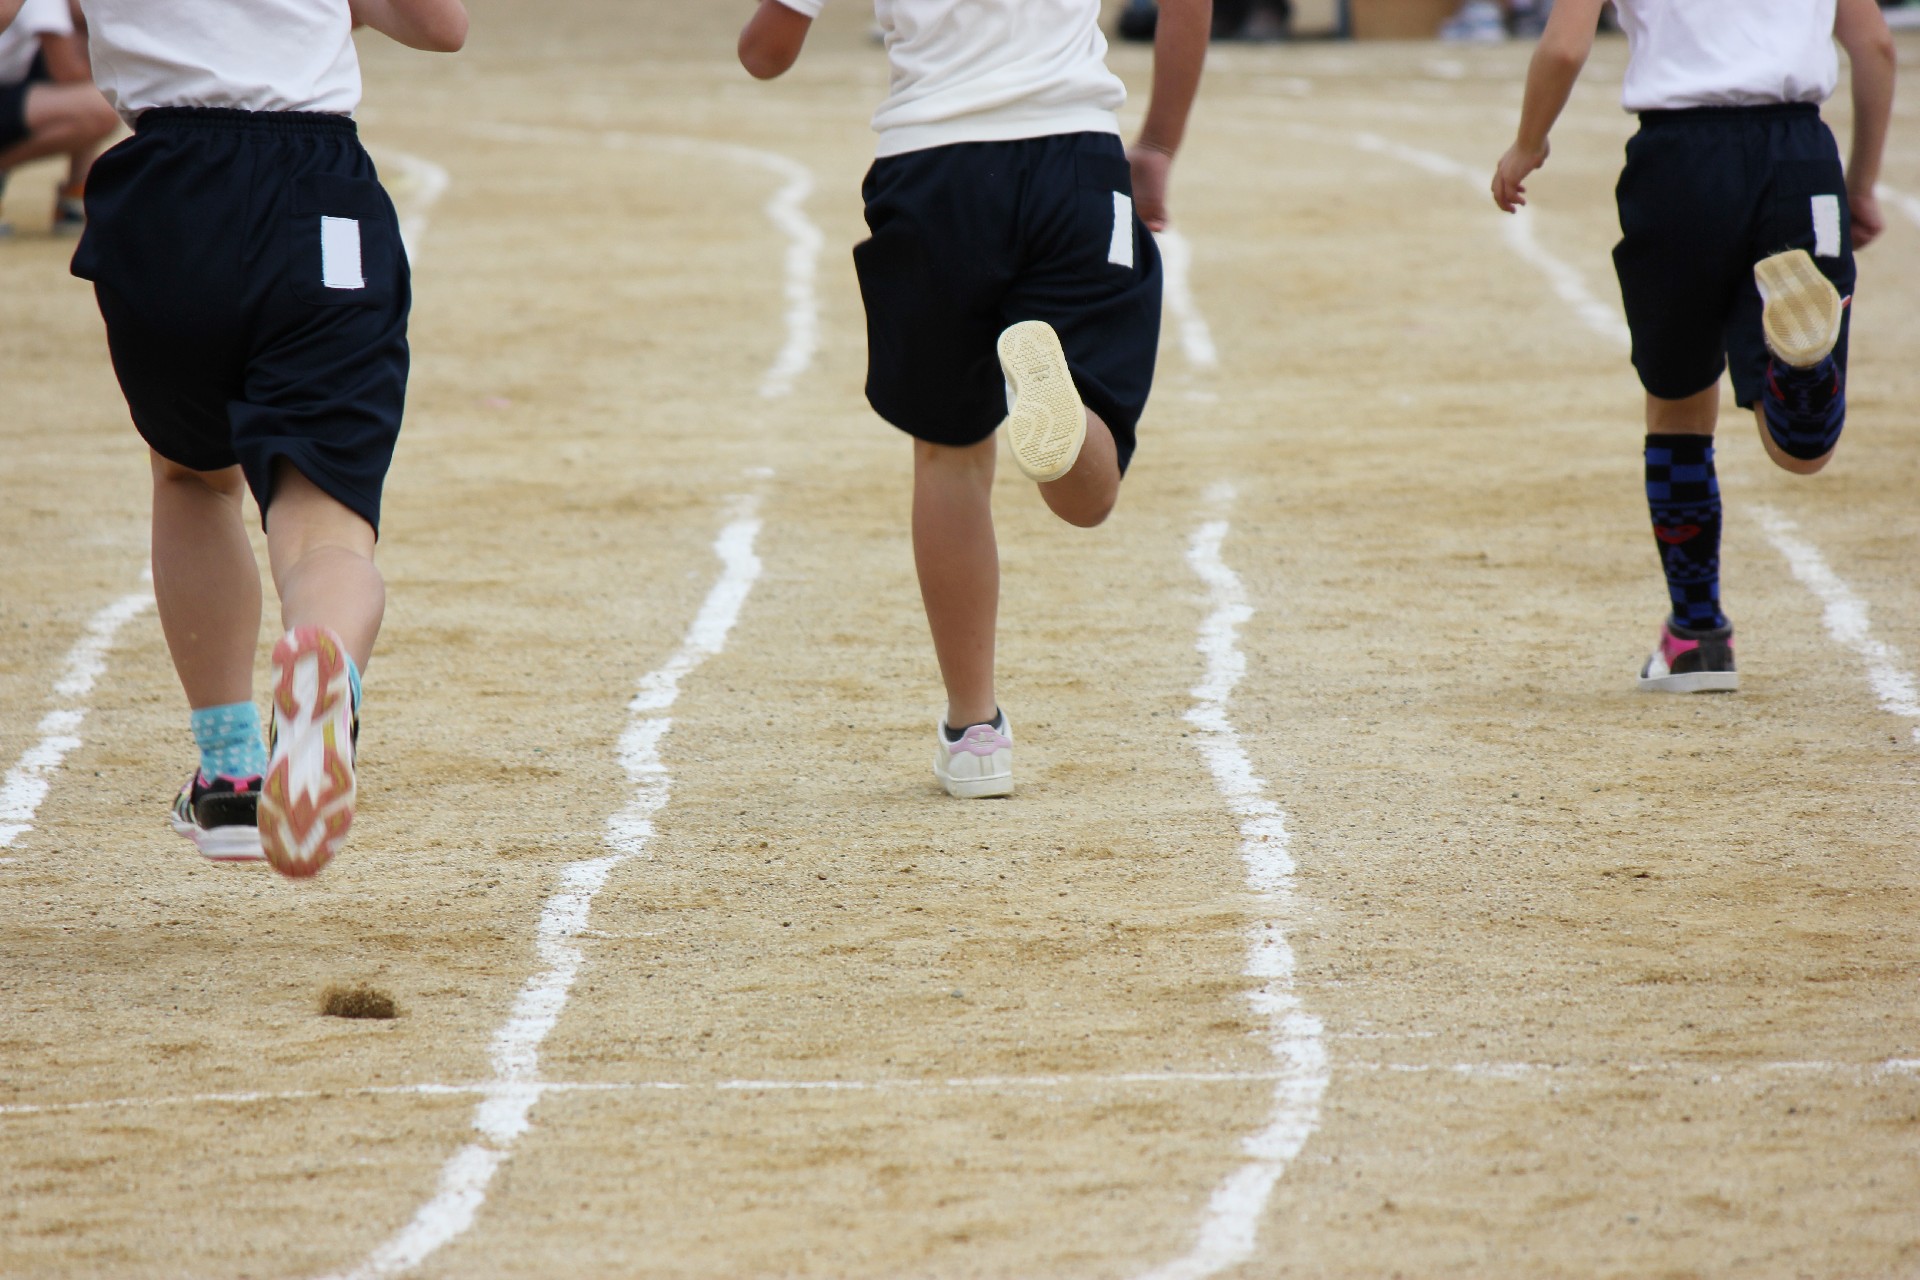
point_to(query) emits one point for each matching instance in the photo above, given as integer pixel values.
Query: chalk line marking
(502, 1115)
(1231, 1225)
(1845, 616)
(27, 783)
(422, 183)
(786, 209)
(1866, 1074)
(1905, 203)
(1196, 339)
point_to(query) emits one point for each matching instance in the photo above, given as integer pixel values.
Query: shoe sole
(1693, 682)
(1800, 309)
(978, 788)
(1046, 424)
(221, 844)
(306, 806)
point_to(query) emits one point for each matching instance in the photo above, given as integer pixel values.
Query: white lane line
(1845, 617)
(503, 1113)
(1518, 230)
(786, 209)
(421, 184)
(1867, 1074)
(28, 782)
(1196, 339)
(1231, 1225)
(1905, 203)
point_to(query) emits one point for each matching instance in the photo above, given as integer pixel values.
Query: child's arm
(1179, 53)
(438, 26)
(1556, 64)
(1862, 32)
(771, 40)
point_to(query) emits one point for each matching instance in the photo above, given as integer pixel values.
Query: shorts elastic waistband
(1700, 115)
(228, 118)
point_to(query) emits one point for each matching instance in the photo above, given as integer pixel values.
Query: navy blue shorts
(1706, 194)
(13, 102)
(973, 237)
(250, 271)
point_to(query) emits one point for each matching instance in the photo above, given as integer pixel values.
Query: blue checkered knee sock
(229, 741)
(1804, 408)
(1683, 495)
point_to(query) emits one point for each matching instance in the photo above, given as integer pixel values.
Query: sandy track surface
(1605, 984)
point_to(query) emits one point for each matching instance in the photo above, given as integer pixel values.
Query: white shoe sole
(306, 805)
(1046, 424)
(1693, 682)
(1800, 308)
(221, 844)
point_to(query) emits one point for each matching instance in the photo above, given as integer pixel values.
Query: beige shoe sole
(1800, 310)
(1047, 423)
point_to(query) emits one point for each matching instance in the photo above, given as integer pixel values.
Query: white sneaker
(1046, 423)
(979, 763)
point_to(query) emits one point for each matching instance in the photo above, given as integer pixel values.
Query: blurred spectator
(1232, 19)
(48, 105)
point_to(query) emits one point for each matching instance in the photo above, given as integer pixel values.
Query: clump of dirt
(358, 1002)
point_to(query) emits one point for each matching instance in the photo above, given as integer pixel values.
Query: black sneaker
(1690, 661)
(220, 817)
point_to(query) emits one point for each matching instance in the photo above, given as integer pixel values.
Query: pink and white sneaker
(977, 764)
(1689, 661)
(306, 805)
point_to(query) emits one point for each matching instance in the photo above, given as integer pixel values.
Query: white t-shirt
(21, 40)
(990, 71)
(1727, 53)
(251, 55)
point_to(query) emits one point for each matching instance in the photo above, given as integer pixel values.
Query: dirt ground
(1610, 984)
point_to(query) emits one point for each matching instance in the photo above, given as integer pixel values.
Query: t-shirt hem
(898, 140)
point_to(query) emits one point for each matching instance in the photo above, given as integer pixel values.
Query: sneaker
(1477, 22)
(219, 816)
(1689, 661)
(307, 803)
(978, 763)
(1046, 423)
(1800, 309)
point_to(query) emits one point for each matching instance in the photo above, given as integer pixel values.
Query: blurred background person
(48, 105)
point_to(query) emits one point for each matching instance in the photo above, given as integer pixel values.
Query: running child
(48, 105)
(1009, 261)
(255, 291)
(1738, 227)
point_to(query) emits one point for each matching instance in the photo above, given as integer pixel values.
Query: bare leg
(1695, 415)
(1086, 494)
(205, 581)
(322, 558)
(959, 567)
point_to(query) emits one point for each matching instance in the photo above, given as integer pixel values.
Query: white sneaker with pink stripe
(979, 763)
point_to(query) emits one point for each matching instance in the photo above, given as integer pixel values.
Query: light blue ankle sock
(353, 680)
(229, 741)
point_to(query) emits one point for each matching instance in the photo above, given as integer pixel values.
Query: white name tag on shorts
(340, 254)
(1120, 251)
(1826, 226)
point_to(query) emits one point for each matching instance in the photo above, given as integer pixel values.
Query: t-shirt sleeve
(45, 18)
(811, 8)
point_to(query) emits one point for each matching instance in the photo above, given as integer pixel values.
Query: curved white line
(1196, 339)
(1231, 1225)
(426, 183)
(503, 1114)
(1905, 203)
(785, 209)
(27, 783)
(1845, 617)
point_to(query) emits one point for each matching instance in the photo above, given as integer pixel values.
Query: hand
(1509, 176)
(1868, 221)
(1151, 166)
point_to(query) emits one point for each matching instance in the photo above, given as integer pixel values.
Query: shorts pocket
(1105, 196)
(346, 242)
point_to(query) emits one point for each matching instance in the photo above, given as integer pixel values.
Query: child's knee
(228, 482)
